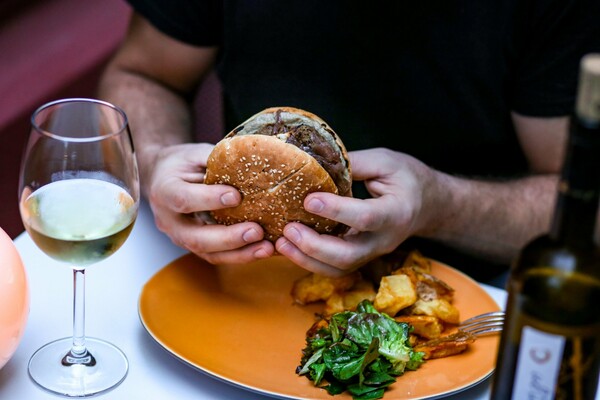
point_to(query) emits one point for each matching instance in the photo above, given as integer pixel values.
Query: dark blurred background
(48, 49)
(51, 49)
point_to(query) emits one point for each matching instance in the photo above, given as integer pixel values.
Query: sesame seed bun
(275, 167)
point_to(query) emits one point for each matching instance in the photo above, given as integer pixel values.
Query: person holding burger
(453, 115)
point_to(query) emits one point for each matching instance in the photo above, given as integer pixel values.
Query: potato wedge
(416, 260)
(396, 292)
(439, 308)
(425, 326)
(314, 287)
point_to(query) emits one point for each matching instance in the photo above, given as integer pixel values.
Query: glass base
(47, 370)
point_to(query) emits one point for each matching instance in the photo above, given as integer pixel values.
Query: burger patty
(306, 138)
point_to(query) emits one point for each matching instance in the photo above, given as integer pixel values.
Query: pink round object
(14, 298)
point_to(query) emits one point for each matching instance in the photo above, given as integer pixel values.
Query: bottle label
(538, 365)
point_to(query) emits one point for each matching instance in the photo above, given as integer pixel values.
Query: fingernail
(282, 244)
(261, 253)
(293, 235)
(228, 199)
(251, 235)
(315, 205)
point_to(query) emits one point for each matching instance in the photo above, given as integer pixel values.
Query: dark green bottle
(550, 346)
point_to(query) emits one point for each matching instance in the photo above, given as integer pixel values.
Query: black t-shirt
(436, 79)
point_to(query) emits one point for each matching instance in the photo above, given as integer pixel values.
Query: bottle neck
(579, 188)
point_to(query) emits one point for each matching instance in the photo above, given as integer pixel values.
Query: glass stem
(79, 355)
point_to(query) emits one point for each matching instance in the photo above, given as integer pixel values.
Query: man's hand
(180, 202)
(491, 219)
(397, 183)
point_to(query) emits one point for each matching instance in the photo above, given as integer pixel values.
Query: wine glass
(78, 198)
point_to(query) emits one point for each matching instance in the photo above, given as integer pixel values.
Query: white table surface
(112, 290)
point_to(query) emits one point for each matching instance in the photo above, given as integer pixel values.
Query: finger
(324, 251)
(363, 167)
(205, 239)
(193, 168)
(217, 244)
(197, 153)
(183, 197)
(244, 255)
(188, 156)
(363, 215)
(287, 249)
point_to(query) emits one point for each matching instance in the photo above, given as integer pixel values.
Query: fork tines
(483, 324)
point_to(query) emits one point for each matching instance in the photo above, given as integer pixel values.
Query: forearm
(494, 219)
(158, 116)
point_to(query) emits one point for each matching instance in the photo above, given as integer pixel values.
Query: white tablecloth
(112, 290)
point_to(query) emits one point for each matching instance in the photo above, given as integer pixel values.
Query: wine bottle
(550, 345)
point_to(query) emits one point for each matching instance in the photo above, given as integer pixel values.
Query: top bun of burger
(275, 159)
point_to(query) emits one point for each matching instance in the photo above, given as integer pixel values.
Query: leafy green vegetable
(360, 351)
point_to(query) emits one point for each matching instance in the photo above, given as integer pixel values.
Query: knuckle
(223, 257)
(154, 196)
(366, 221)
(309, 247)
(232, 242)
(344, 261)
(171, 195)
(178, 241)
(197, 246)
(160, 225)
(336, 211)
(179, 202)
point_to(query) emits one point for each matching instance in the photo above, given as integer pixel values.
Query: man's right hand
(181, 203)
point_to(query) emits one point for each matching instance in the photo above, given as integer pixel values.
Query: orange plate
(239, 323)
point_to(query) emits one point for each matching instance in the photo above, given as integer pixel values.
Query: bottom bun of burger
(275, 159)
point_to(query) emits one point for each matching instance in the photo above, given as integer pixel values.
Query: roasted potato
(395, 293)
(425, 326)
(313, 287)
(416, 260)
(439, 308)
(348, 300)
(408, 292)
(429, 287)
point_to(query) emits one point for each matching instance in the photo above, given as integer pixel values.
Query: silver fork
(483, 324)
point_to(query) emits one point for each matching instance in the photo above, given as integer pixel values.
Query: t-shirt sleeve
(198, 23)
(555, 35)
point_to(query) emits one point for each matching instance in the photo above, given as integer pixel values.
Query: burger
(275, 159)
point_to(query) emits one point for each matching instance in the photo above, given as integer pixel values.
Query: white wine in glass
(79, 197)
